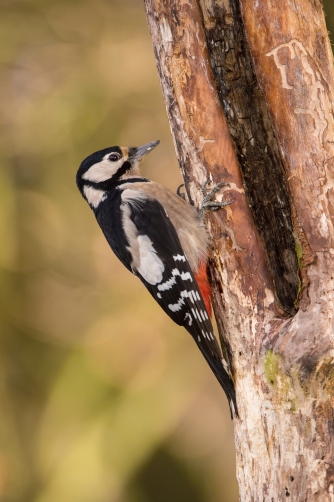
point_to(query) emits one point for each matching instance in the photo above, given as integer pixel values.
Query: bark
(248, 87)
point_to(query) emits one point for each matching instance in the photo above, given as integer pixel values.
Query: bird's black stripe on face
(114, 181)
(121, 171)
(133, 180)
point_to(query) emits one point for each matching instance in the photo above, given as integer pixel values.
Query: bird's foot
(208, 203)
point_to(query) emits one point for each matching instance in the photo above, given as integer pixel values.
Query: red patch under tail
(202, 280)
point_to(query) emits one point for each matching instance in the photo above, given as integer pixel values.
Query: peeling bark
(248, 86)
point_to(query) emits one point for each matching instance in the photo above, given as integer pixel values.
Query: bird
(160, 238)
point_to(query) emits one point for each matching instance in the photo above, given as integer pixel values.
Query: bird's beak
(137, 153)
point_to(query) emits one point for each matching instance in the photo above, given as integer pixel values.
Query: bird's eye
(114, 157)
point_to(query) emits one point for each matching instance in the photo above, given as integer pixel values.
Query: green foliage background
(102, 398)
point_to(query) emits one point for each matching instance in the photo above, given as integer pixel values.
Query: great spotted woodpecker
(159, 237)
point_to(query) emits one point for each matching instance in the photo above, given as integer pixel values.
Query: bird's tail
(226, 382)
(216, 365)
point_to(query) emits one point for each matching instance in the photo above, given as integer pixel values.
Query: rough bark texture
(269, 68)
(256, 147)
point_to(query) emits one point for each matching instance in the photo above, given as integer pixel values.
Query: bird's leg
(207, 202)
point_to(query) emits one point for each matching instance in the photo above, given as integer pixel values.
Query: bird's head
(104, 168)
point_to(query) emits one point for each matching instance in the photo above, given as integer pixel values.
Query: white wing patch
(185, 276)
(190, 319)
(179, 257)
(175, 307)
(208, 335)
(196, 314)
(145, 258)
(94, 197)
(151, 267)
(170, 283)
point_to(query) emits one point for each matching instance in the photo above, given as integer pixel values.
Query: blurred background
(102, 398)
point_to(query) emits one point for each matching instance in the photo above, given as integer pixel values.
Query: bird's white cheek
(102, 171)
(151, 267)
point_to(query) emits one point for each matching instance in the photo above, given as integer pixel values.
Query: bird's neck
(96, 193)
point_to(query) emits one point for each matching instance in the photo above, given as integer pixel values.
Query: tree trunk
(248, 87)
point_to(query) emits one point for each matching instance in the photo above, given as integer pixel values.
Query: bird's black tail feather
(226, 382)
(210, 349)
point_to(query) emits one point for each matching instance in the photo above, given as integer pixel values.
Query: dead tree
(248, 86)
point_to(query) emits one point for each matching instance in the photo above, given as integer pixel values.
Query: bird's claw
(207, 202)
(179, 193)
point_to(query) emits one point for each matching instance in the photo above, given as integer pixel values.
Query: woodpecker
(159, 237)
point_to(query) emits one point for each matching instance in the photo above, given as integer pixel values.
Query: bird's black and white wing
(160, 263)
